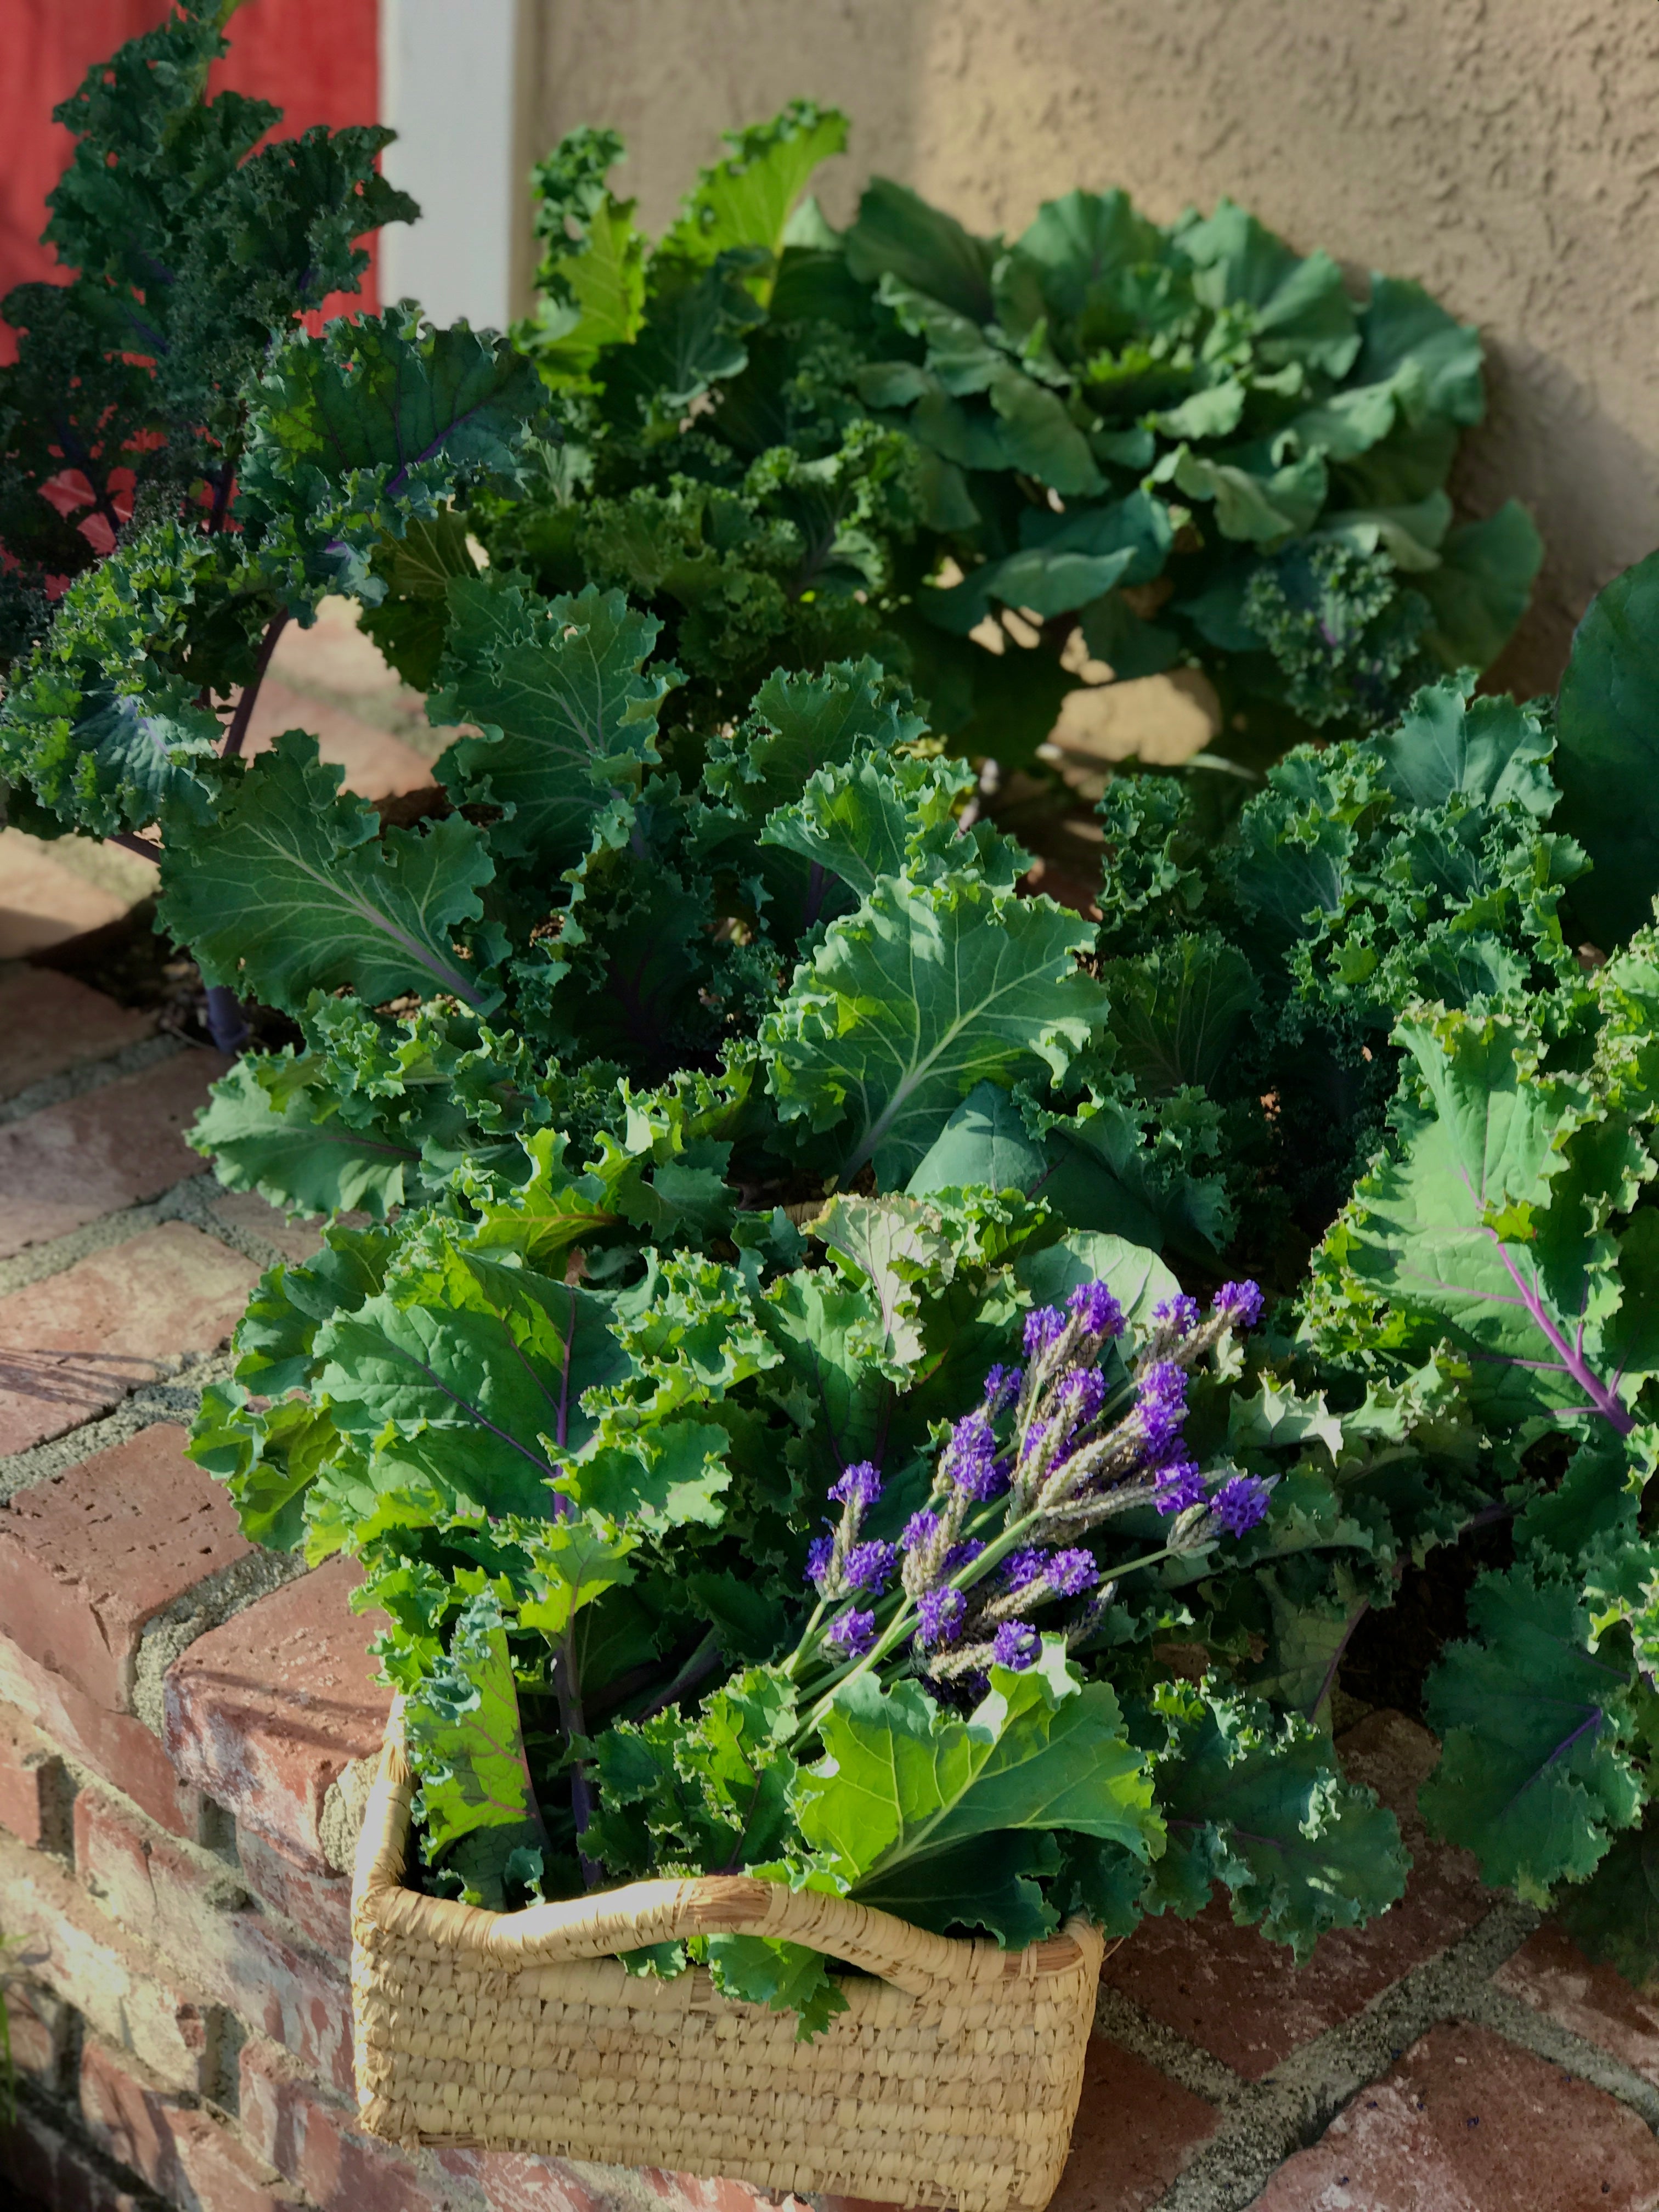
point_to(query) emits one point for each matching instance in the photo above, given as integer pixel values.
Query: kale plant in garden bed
(794, 1379)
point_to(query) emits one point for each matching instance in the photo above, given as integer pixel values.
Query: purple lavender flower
(1240, 1503)
(1070, 1573)
(1016, 1645)
(1179, 1313)
(1181, 1483)
(870, 1566)
(919, 1531)
(1021, 1569)
(1097, 1309)
(1002, 1387)
(818, 1554)
(1043, 1325)
(939, 1614)
(970, 1458)
(1082, 1395)
(1239, 1305)
(852, 1632)
(1034, 1437)
(961, 1555)
(860, 1486)
(1162, 1404)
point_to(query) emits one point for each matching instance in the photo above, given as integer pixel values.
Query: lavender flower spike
(1002, 1387)
(1162, 1404)
(919, 1531)
(860, 1486)
(1098, 1310)
(1043, 1325)
(970, 1458)
(1179, 1313)
(1016, 1645)
(1072, 1572)
(870, 1567)
(1238, 1305)
(819, 1552)
(852, 1632)
(1240, 1503)
(1181, 1483)
(939, 1617)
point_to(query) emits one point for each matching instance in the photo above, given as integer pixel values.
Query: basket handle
(645, 1912)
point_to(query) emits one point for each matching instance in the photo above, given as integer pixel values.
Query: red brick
(128, 1994)
(1135, 2131)
(51, 1024)
(265, 1711)
(520, 2181)
(120, 1750)
(73, 1346)
(318, 1905)
(1242, 1998)
(39, 2023)
(88, 1556)
(183, 2153)
(44, 2169)
(1467, 2123)
(1550, 1973)
(317, 2142)
(109, 1148)
(191, 1909)
(33, 1783)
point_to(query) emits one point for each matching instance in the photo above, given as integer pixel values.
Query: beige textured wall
(1504, 152)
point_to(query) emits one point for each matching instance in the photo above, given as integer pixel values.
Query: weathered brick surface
(184, 2153)
(43, 2166)
(246, 1210)
(265, 1711)
(316, 2142)
(1136, 2129)
(89, 1555)
(193, 1910)
(112, 1745)
(40, 2025)
(112, 1148)
(1467, 2123)
(49, 1023)
(318, 1905)
(73, 1346)
(34, 1783)
(1245, 2000)
(125, 1991)
(1550, 1973)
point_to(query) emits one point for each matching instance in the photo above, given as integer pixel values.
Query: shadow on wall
(1508, 158)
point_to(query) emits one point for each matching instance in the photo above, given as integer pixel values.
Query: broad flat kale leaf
(467, 1376)
(466, 1747)
(375, 421)
(1536, 1771)
(1257, 1805)
(904, 1781)
(591, 277)
(747, 198)
(1614, 1917)
(1137, 1278)
(263, 1133)
(1491, 1229)
(568, 714)
(289, 891)
(1608, 763)
(928, 991)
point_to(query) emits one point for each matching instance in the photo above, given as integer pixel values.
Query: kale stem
(697, 1668)
(567, 1688)
(227, 1018)
(237, 731)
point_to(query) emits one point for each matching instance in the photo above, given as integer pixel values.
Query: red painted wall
(316, 60)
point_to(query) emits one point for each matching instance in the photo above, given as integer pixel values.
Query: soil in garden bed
(1392, 1653)
(128, 962)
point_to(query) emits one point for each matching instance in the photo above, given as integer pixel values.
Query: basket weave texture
(952, 2078)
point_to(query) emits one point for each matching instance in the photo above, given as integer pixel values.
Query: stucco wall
(1504, 152)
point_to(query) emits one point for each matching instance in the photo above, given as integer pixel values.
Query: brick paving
(182, 1719)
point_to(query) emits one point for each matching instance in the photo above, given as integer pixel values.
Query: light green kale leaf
(292, 889)
(466, 1747)
(904, 1781)
(927, 991)
(557, 686)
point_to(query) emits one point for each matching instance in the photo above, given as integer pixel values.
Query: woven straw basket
(952, 2079)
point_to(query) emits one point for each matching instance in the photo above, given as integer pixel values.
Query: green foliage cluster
(716, 1117)
(1183, 442)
